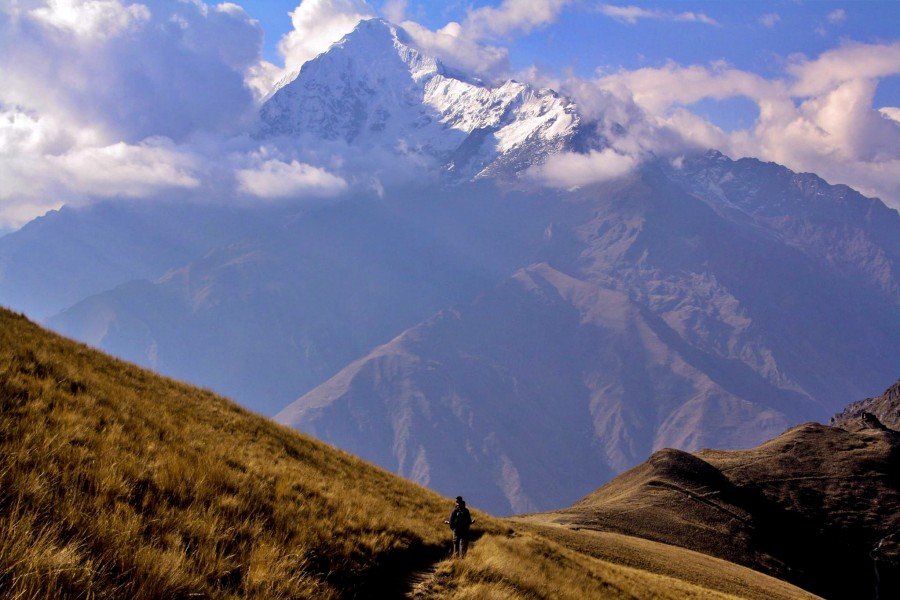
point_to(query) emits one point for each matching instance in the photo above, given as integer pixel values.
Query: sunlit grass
(527, 566)
(118, 483)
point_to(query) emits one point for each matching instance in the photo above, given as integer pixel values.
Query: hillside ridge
(818, 506)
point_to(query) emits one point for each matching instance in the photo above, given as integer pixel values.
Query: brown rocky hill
(886, 408)
(817, 506)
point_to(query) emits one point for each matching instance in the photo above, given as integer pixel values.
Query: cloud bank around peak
(570, 170)
(317, 24)
(148, 98)
(819, 116)
(144, 98)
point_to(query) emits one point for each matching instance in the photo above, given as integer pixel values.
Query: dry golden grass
(663, 559)
(531, 566)
(118, 483)
(115, 483)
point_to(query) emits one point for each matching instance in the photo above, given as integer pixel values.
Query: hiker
(460, 521)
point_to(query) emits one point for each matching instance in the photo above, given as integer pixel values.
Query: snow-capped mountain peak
(375, 89)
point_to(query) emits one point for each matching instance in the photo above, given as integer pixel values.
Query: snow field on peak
(373, 90)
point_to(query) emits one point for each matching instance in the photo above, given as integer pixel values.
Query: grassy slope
(667, 562)
(121, 483)
(115, 482)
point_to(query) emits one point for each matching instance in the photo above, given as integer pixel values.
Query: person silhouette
(460, 520)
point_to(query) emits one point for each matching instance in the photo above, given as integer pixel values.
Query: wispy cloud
(571, 170)
(837, 16)
(769, 20)
(512, 16)
(631, 14)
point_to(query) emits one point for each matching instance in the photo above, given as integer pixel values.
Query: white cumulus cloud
(819, 117)
(468, 45)
(273, 179)
(457, 49)
(92, 18)
(846, 63)
(108, 98)
(44, 163)
(571, 170)
(178, 68)
(317, 25)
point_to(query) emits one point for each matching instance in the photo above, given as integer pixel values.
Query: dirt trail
(418, 581)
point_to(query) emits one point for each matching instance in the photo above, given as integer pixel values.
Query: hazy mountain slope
(813, 506)
(656, 322)
(854, 235)
(732, 285)
(275, 315)
(67, 255)
(545, 379)
(115, 482)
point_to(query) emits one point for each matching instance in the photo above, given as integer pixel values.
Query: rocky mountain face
(375, 91)
(817, 506)
(513, 344)
(656, 318)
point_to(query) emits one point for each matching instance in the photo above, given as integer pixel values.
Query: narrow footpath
(418, 581)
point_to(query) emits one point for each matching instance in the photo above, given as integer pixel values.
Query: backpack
(460, 520)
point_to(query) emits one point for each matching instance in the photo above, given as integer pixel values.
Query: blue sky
(753, 36)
